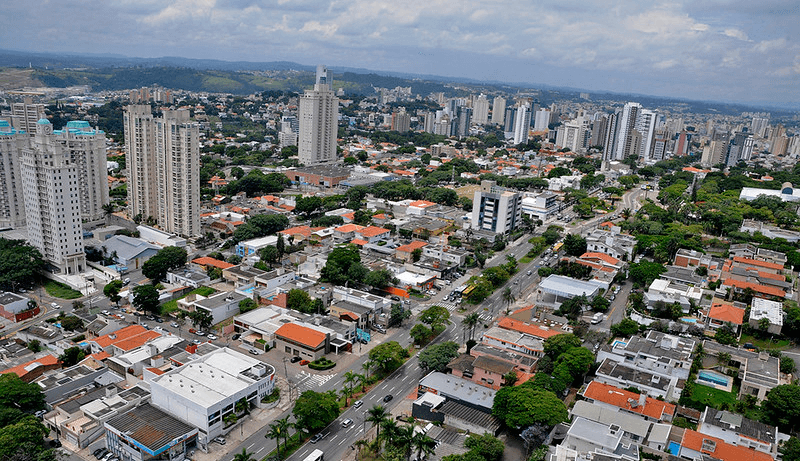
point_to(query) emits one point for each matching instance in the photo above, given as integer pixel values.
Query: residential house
(737, 430)
(693, 258)
(129, 252)
(700, 447)
(457, 389)
(628, 402)
(585, 436)
(723, 313)
(611, 242)
(772, 311)
(406, 252)
(241, 275)
(666, 292)
(32, 369)
(758, 371)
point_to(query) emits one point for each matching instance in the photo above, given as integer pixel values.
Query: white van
(597, 318)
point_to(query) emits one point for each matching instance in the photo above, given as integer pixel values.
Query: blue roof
(78, 124)
(43, 121)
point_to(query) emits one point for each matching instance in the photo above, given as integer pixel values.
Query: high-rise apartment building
(50, 183)
(86, 148)
(480, 110)
(626, 124)
(401, 121)
(522, 123)
(178, 172)
(26, 114)
(319, 112)
(646, 122)
(541, 120)
(498, 110)
(496, 209)
(12, 203)
(290, 126)
(463, 121)
(163, 157)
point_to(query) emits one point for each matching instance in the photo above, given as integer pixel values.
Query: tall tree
(165, 260)
(377, 415)
(436, 357)
(19, 264)
(471, 321)
(145, 298)
(315, 410)
(111, 291)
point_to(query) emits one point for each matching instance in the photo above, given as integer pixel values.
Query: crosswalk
(308, 381)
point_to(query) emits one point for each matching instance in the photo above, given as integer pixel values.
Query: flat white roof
(568, 286)
(764, 308)
(260, 242)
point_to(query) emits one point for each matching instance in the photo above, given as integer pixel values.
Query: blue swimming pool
(675, 448)
(713, 377)
(619, 343)
(688, 320)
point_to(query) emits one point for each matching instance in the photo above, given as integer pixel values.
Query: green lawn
(766, 344)
(172, 305)
(712, 397)
(59, 290)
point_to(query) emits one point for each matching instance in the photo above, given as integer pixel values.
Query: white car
(106, 313)
(212, 337)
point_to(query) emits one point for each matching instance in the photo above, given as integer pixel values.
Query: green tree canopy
(487, 446)
(166, 259)
(16, 393)
(388, 356)
(72, 356)
(19, 264)
(435, 316)
(112, 289)
(344, 265)
(315, 410)
(523, 406)
(260, 226)
(626, 327)
(145, 298)
(643, 273)
(436, 356)
(574, 245)
(782, 407)
(558, 344)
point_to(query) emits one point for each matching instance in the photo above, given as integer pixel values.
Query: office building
(163, 160)
(12, 204)
(646, 122)
(508, 122)
(290, 127)
(52, 201)
(401, 121)
(522, 122)
(461, 124)
(498, 110)
(480, 114)
(496, 209)
(318, 111)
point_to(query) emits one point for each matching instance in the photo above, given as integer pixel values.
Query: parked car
(200, 333)
(105, 312)
(99, 453)
(254, 351)
(235, 336)
(159, 320)
(174, 325)
(304, 362)
(295, 359)
(220, 440)
(212, 337)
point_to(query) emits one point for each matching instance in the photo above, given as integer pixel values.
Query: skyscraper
(541, 120)
(86, 148)
(26, 114)
(52, 201)
(498, 110)
(12, 204)
(626, 124)
(163, 157)
(463, 120)
(646, 122)
(319, 111)
(522, 122)
(480, 112)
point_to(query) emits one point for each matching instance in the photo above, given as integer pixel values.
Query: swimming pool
(619, 343)
(713, 377)
(688, 320)
(675, 448)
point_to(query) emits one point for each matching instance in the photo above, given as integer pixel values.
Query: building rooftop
(7, 298)
(306, 336)
(627, 400)
(23, 369)
(744, 426)
(629, 423)
(726, 312)
(719, 449)
(459, 389)
(568, 287)
(764, 308)
(479, 418)
(150, 427)
(206, 261)
(534, 330)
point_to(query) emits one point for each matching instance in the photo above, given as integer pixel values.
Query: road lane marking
(259, 450)
(251, 445)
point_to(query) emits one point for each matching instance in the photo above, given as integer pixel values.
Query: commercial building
(318, 175)
(319, 113)
(50, 183)
(163, 158)
(146, 433)
(540, 206)
(204, 391)
(496, 209)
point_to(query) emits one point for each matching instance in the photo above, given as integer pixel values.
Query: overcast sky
(739, 50)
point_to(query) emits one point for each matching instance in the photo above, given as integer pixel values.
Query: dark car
(316, 438)
(235, 337)
(100, 452)
(295, 359)
(159, 320)
(388, 398)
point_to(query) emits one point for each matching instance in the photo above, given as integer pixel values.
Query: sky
(739, 50)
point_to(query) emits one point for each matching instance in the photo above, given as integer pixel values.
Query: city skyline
(736, 52)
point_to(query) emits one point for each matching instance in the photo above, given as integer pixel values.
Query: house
(540, 206)
(513, 341)
(694, 258)
(621, 375)
(373, 234)
(299, 340)
(362, 317)
(221, 306)
(32, 369)
(628, 402)
(737, 430)
(188, 278)
(759, 372)
(724, 312)
(585, 436)
(241, 275)
(699, 447)
(254, 246)
(666, 292)
(12, 304)
(205, 263)
(419, 207)
(262, 323)
(633, 426)
(406, 252)
(152, 354)
(762, 310)
(659, 353)
(457, 389)
(122, 340)
(129, 252)
(611, 242)
(346, 233)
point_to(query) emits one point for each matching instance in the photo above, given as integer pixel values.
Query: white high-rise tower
(499, 110)
(12, 204)
(140, 159)
(480, 111)
(319, 113)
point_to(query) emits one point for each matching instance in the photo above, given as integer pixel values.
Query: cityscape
(217, 260)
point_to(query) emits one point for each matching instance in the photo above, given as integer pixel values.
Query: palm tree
(423, 444)
(283, 426)
(377, 415)
(346, 392)
(390, 432)
(350, 379)
(360, 444)
(243, 456)
(626, 213)
(403, 436)
(366, 367)
(362, 381)
(508, 296)
(470, 321)
(275, 433)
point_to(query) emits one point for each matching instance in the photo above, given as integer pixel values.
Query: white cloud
(735, 33)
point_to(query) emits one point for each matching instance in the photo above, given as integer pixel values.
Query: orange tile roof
(756, 262)
(409, 247)
(723, 450)
(100, 356)
(621, 398)
(350, 216)
(349, 228)
(527, 328)
(421, 204)
(359, 242)
(300, 334)
(372, 231)
(601, 256)
(305, 231)
(380, 216)
(136, 341)
(23, 369)
(726, 312)
(763, 289)
(119, 335)
(206, 261)
(606, 224)
(156, 371)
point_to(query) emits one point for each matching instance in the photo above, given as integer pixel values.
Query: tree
(523, 406)
(380, 278)
(71, 322)
(16, 393)
(626, 327)
(350, 379)
(299, 300)
(510, 378)
(281, 246)
(420, 333)
(201, 319)
(398, 314)
(726, 334)
(247, 305)
(315, 410)
(508, 296)
(643, 273)
(23, 440)
(556, 345)
(343, 265)
(787, 365)
(377, 415)
(165, 260)
(435, 316)
(388, 356)
(111, 291)
(781, 407)
(573, 364)
(574, 245)
(145, 298)
(283, 428)
(471, 321)
(436, 357)
(487, 446)
(19, 264)
(35, 345)
(72, 356)
(416, 254)
(600, 303)
(791, 449)
(269, 254)
(552, 234)
(423, 445)
(273, 433)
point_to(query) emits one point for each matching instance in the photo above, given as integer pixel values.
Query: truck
(597, 318)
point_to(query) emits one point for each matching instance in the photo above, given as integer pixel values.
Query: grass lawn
(766, 344)
(712, 397)
(59, 290)
(525, 260)
(172, 305)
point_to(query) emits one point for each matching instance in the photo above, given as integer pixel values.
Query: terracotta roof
(303, 335)
(379, 216)
(756, 262)
(349, 228)
(119, 335)
(359, 242)
(350, 216)
(764, 289)
(23, 369)
(726, 312)
(372, 231)
(136, 341)
(409, 247)
(527, 328)
(100, 356)
(421, 204)
(693, 440)
(613, 395)
(602, 256)
(156, 371)
(206, 261)
(305, 231)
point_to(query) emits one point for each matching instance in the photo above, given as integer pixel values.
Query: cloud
(735, 33)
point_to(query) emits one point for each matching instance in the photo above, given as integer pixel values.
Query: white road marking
(251, 445)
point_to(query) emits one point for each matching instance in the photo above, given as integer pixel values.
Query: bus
(557, 247)
(316, 455)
